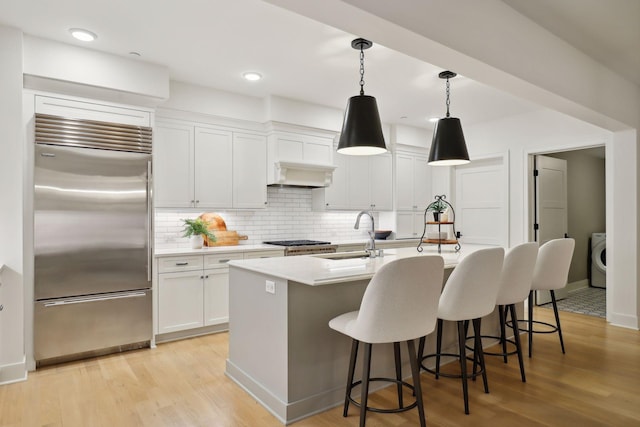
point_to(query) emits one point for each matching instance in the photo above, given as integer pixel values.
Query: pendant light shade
(448, 147)
(361, 129)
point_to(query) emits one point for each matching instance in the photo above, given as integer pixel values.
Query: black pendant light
(361, 130)
(448, 147)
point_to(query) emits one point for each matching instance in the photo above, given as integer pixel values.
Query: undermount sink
(345, 255)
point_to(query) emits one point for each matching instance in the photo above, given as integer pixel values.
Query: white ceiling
(211, 43)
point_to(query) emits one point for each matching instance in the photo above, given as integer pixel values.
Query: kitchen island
(281, 349)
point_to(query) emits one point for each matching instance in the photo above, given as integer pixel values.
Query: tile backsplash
(288, 216)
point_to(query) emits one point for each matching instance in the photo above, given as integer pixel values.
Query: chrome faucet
(371, 245)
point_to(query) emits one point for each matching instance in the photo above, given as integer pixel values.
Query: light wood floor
(597, 383)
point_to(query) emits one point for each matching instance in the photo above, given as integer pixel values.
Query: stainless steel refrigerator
(92, 234)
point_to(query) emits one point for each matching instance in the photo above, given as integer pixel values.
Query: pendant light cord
(448, 102)
(361, 70)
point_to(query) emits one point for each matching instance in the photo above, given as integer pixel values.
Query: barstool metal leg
(352, 368)
(530, 306)
(555, 311)
(463, 365)
(516, 336)
(480, 355)
(503, 334)
(366, 370)
(396, 354)
(417, 387)
(439, 346)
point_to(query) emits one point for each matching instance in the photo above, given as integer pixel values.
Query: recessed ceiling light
(252, 76)
(434, 119)
(84, 35)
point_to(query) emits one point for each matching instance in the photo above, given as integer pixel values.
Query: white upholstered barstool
(399, 304)
(515, 285)
(469, 294)
(551, 273)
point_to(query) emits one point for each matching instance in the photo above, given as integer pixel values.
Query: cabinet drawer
(180, 263)
(263, 254)
(220, 260)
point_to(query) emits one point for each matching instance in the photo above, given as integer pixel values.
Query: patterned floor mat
(589, 301)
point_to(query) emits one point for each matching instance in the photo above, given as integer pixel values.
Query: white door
(551, 208)
(481, 202)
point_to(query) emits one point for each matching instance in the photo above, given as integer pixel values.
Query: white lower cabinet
(193, 290)
(180, 297)
(216, 296)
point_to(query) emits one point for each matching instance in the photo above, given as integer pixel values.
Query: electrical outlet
(270, 287)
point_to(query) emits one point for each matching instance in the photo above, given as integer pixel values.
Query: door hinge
(535, 172)
(536, 226)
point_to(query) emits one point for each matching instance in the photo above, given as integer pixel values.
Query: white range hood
(299, 156)
(302, 174)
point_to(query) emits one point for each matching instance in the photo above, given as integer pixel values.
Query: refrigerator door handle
(94, 299)
(149, 219)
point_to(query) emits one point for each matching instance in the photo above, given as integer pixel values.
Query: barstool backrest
(517, 274)
(401, 301)
(471, 290)
(552, 267)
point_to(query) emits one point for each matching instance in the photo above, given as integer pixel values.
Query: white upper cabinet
(249, 171)
(208, 167)
(173, 163)
(413, 182)
(336, 196)
(381, 182)
(213, 167)
(359, 183)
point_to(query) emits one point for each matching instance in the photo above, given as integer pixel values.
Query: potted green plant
(437, 208)
(196, 229)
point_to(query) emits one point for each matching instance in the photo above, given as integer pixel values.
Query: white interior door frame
(528, 187)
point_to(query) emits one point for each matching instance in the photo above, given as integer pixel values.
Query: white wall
(493, 44)
(540, 131)
(52, 63)
(12, 360)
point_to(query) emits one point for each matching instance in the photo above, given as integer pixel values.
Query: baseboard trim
(14, 372)
(623, 320)
(578, 285)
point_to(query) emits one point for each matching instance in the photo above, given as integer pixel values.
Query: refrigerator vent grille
(56, 130)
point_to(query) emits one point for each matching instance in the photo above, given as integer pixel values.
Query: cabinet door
(358, 182)
(249, 171)
(404, 182)
(213, 162)
(216, 296)
(381, 182)
(336, 194)
(173, 166)
(421, 183)
(418, 223)
(405, 225)
(179, 301)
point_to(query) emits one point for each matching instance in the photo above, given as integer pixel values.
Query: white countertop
(262, 247)
(317, 270)
(214, 250)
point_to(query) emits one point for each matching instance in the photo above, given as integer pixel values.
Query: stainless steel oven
(304, 247)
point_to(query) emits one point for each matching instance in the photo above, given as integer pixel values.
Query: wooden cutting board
(225, 238)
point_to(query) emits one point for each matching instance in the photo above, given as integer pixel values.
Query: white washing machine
(599, 260)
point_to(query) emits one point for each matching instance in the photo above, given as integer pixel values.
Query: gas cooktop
(297, 242)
